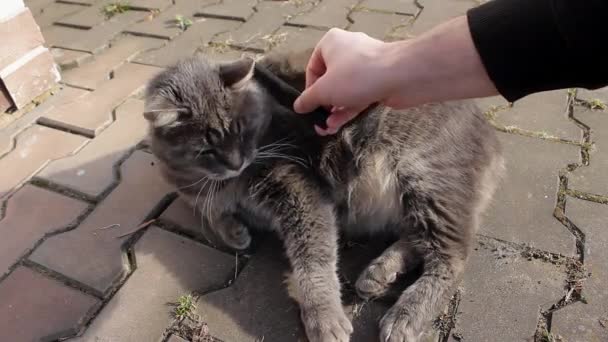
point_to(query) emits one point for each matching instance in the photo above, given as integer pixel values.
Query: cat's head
(206, 118)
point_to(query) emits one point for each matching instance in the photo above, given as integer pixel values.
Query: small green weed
(597, 104)
(184, 306)
(182, 22)
(114, 8)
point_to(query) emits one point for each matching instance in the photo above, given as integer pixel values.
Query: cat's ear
(236, 74)
(157, 114)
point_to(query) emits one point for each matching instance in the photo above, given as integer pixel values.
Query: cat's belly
(372, 201)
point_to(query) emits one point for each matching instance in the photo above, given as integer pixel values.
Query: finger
(312, 98)
(341, 116)
(316, 66)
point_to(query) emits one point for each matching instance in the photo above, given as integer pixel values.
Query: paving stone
(95, 257)
(36, 6)
(522, 209)
(592, 178)
(256, 307)
(21, 230)
(94, 15)
(258, 31)
(34, 148)
(435, 12)
(327, 14)
(227, 9)
(543, 112)
(184, 218)
(36, 308)
(378, 25)
(94, 73)
(168, 266)
(165, 25)
(297, 38)
(91, 170)
(396, 6)
(95, 39)
(63, 96)
(90, 114)
(82, 2)
(68, 59)
(29, 37)
(588, 322)
(502, 296)
(55, 11)
(197, 36)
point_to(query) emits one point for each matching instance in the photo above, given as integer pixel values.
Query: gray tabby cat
(424, 174)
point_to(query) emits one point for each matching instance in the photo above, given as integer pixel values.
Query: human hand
(347, 72)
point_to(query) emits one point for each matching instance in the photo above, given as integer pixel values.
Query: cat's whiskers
(276, 155)
(199, 194)
(193, 184)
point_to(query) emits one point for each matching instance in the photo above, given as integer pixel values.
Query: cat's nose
(234, 161)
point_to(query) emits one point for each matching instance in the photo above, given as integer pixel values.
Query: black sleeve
(529, 46)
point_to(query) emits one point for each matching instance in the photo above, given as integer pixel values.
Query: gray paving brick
(165, 25)
(36, 6)
(59, 98)
(378, 25)
(435, 12)
(91, 75)
(95, 39)
(522, 209)
(21, 231)
(327, 14)
(184, 218)
(55, 11)
(68, 59)
(91, 170)
(168, 266)
(34, 148)
(296, 38)
(256, 306)
(91, 113)
(257, 31)
(395, 6)
(588, 322)
(502, 295)
(95, 15)
(543, 112)
(227, 9)
(592, 178)
(37, 308)
(197, 36)
(95, 257)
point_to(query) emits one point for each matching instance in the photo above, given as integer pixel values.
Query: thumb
(311, 98)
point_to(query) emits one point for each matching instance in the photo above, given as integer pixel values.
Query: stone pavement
(77, 181)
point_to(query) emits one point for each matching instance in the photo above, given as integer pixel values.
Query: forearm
(528, 46)
(440, 65)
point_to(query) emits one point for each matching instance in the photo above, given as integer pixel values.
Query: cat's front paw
(234, 234)
(375, 281)
(398, 325)
(327, 324)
